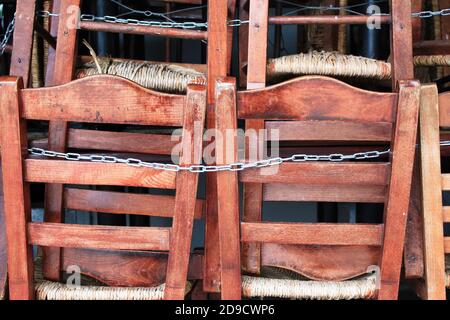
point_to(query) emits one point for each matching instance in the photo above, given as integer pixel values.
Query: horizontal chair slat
(447, 244)
(315, 92)
(78, 172)
(98, 237)
(331, 174)
(313, 234)
(329, 131)
(121, 141)
(325, 193)
(446, 213)
(124, 203)
(445, 180)
(85, 100)
(144, 30)
(444, 110)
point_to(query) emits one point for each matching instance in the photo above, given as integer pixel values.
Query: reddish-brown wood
(124, 203)
(64, 63)
(56, 171)
(98, 237)
(143, 30)
(227, 183)
(176, 239)
(329, 131)
(64, 103)
(3, 244)
(121, 141)
(374, 174)
(217, 54)
(16, 192)
(313, 234)
(334, 263)
(186, 193)
(396, 208)
(313, 102)
(325, 193)
(23, 40)
(388, 181)
(432, 210)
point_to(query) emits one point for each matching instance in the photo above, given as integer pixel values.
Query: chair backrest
(130, 104)
(434, 119)
(319, 109)
(259, 21)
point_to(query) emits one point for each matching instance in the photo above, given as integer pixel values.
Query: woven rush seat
(91, 289)
(363, 288)
(432, 61)
(161, 77)
(328, 64)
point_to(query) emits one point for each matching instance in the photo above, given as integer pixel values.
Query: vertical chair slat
(16, 193)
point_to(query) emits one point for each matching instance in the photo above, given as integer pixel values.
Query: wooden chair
(434, 120)
(254, 45)
(61, 70)
(126, 107)
(316, 109)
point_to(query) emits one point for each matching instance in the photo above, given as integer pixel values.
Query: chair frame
(256, 106)
(19, 104)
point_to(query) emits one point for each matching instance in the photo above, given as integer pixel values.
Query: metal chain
(7, 35)
(430, 14)
(238, 166)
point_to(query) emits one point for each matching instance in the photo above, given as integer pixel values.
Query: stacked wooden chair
(315, 109)
(257, 78)
(61, 70)
(132, 105)
(434, 110)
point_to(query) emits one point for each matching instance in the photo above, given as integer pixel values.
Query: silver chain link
(7, 35)
(430, 14)
(238, 166)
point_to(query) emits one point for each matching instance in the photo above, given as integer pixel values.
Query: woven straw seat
(432, 61)
(92, 289)
(159, 77)
(363, 288)
(328, 64)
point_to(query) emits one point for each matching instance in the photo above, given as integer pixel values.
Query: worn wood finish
(325, 193)
(401, 42)
(186, 193)
(227, 183)
(144, 30)
(124, 203)
(23, 40)
(217, 55)
(432, 210)
(313, 103)
(374, 174)
(333, 263)
(446, 213)
(16, 192)
(313, 234)
(119, 268)
(131, 103)
(121, 141)
(3, 244)
(396, 207)
(62, 72)
(56, 171)
(447, 245)
(176, 240)
(329, 131)
(98, 237)
(444, 110)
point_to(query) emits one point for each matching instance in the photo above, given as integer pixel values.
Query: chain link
(7, 35)
(238, 166)
(430, 14)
